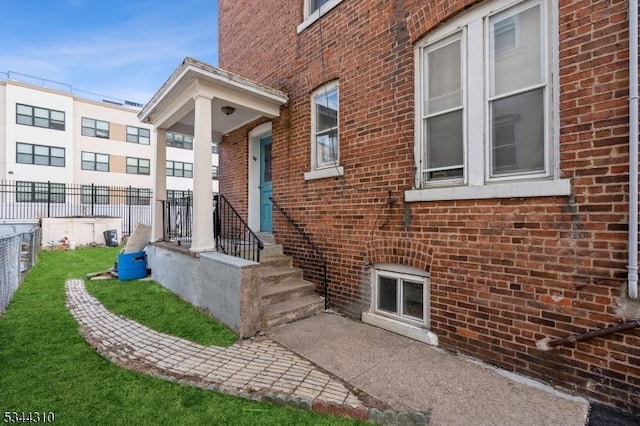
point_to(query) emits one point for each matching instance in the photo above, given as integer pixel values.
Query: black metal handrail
(177, 219)
(232, 234)
(315, 248)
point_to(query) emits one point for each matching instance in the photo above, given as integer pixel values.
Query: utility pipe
(548, 343)
(633, 149)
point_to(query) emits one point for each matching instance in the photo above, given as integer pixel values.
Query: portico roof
(172, 107)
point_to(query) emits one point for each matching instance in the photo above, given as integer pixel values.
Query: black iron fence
(177, 219)
(36, 200)
(231, 233)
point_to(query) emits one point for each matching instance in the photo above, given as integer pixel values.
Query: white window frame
(320, 171)
(311, 16)
(461, 35)
(400, 278)
(513, 12)
(406, 326)
(477, 182)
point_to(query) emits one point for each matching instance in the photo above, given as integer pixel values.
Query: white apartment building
(52, 133)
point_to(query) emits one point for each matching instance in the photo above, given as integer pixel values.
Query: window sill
(317, 14)
(523, 189)
(324, 173)
(407, 330)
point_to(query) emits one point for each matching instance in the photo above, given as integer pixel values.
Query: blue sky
(120, 48)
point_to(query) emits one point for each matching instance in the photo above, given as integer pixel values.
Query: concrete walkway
(410, 375)
(259, 369)
(333, 365)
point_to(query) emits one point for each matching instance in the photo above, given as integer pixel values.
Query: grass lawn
(149, 303)
(45, 364)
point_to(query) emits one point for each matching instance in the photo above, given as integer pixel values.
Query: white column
(202, 230)
(158, 165)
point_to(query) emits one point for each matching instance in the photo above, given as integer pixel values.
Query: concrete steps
(286, 296)
(291, 310)
(286, 290)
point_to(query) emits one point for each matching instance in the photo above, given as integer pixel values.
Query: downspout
(633, 149)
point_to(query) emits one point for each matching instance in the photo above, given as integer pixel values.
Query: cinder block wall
(504, 273)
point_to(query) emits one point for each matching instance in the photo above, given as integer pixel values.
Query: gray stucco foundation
(227, 287)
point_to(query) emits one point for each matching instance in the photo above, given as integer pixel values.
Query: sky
(124, 49)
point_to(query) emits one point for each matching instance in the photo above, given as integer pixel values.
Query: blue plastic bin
(132, 266)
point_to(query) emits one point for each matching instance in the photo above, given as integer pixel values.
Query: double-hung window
(484, 94)
(518, 92)
(138, 166)
(443, 110)
(325, 138)
(138, 135)
(95, 161)
(95, 128)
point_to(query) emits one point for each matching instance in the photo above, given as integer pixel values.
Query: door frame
(253, 171)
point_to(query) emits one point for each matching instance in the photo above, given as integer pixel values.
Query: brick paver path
(250, 366)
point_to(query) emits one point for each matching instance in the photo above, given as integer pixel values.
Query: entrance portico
(206, 102)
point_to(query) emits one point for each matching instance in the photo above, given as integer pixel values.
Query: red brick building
(462, 165)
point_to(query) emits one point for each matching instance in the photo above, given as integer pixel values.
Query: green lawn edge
(150, 304)
(46, 366)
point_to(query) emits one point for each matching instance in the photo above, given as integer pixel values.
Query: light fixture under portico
(206, 102)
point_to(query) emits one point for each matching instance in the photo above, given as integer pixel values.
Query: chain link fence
(18, 254)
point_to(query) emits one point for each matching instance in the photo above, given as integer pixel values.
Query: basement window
(400, 301)
(401, 296)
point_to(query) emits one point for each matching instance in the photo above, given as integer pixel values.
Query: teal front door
(265, 184)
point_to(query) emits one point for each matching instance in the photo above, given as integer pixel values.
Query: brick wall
(504, 273)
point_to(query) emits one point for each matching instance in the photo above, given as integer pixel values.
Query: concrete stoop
(286, 296)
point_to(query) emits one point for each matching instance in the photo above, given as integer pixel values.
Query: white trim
(401, 276)
(545, 85)
(401, 269)
(477, 150)
(324, 173)
(310, 18)
(475, 102)
(519, 189)
(323, 90)
(407, 330)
